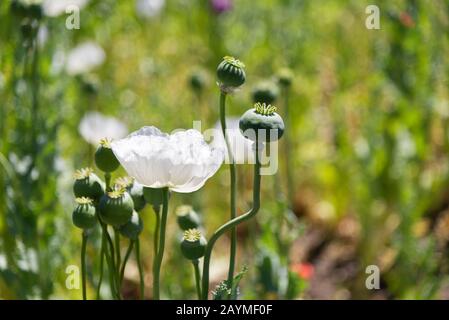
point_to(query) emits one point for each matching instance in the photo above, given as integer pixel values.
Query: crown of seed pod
(88, 184)
(265, 92)
(133, 227)
(193, 244)
(285, 77)
(105, 158)
(187, 218)
(230, 73)
(262, 123)
(135, 190)
(116, 207)
(84, 215)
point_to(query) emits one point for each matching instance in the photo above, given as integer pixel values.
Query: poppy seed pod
(135, 190)
(263, 123)
(231, 73)
(88, 184)
(187, 218)
(193, 244)
(198, 80)
(285, 77)
(265, 92)
(84, 216)
(116, 207)
(105, 158)
(133, 227)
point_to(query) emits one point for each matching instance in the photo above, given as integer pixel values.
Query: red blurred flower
(407, 20)
(304, 270)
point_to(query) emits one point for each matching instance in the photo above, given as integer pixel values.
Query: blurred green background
(368, 120)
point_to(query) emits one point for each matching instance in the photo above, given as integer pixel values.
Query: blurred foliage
(369, 122)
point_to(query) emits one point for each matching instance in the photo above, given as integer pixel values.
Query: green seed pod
(231, 73)
(133, 227)
(193, 245)
(84, 216)
(116, 207)
(88, 184)
(259, 122)
(285, 77)
(35, 10)
(198, 80)
(135, 189)
(26, 29)
(187, 218)
(153, 196)
(105, 158)
(265, 92)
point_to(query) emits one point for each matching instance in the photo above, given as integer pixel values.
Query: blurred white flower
(95, 126)
(149, 8)
(84, 58)
(242, 148)
(182, 161)
(53, 8)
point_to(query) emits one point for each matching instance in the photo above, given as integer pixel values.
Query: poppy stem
(197, 277)
(160, 252)
(139, 266)
(125, 260)
(233, 177)
(231, 224)
(100, 280)
(83, 263)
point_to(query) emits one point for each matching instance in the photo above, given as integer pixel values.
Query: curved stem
(160, 252)
(112, 266)
(139, 266)
(83, 263)
(231, 224)
(233, 177)
(100, 280)
(125, 260)
(197, 277)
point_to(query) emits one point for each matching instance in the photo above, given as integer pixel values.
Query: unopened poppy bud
(265, 92)
(116, 207)
(88, 184)
(133, 227)
(260, 122)
(197, 81)
(84, 216)
(105, 158)
(187, 218)
(231, 73)
(193, 245)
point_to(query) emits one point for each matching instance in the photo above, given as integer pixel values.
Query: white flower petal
(84, 58)
(95, 126)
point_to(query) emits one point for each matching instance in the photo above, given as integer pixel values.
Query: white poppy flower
(149, 8)
(182, 161)
(95, 126)
(242, 148)
(84, 58)
(54, 8)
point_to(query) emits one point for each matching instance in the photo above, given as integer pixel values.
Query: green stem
(233, 177)
(107, 178)
(197, 277)
(125, 260)
(160, 252)
(112, 264)
(231, 224)
(83, 263)
(156, 229)
(139, 266)
(102, 254)
(118, 257)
